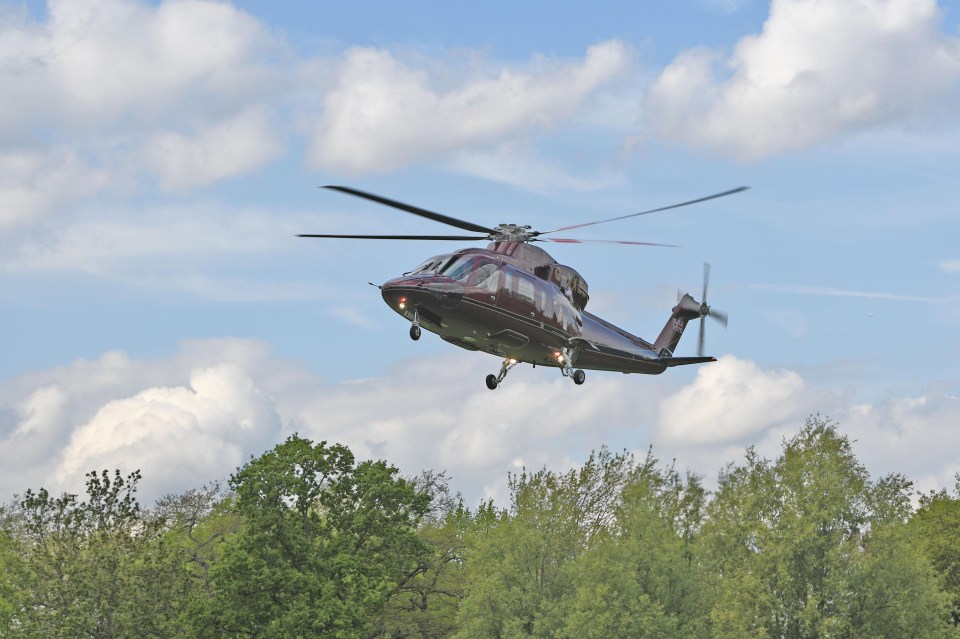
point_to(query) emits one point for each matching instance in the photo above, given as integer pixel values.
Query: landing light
(559, 356)
(512, 361)
(403, 303)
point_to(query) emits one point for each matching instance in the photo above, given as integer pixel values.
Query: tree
(521, 564)
(326, 542)
(642, 576)
(425, 606)
(808, 546)
(81, 563)
(10, 592)
(937, 522)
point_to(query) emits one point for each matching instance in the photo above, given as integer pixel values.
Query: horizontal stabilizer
(683, 361)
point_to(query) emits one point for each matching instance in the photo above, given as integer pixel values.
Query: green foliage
(937, 522)
(425, 606)
(642, 577)
(522, 565)
(325, 544)
(312, 543)
(10, 591)
(85, 566)
(808, 546)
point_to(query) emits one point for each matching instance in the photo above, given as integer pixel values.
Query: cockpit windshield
(431, 266)
(471, 270)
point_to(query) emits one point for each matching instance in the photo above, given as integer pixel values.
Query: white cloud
(383, 114)
(87, 85)
(514, 164)
(950, 266)
(186, 435)
(234, 146)
(194, 416)
(182, 419)
(114, 240)
(820, 69)
(917, 436)
(732, 400)
(33, 182)
(95, 62)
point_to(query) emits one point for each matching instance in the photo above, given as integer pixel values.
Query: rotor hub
(513, 233)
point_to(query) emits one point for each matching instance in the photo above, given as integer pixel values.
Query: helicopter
(513, 300)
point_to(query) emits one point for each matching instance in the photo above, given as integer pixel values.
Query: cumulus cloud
(731, 401)
(382, 114)
(96, 62)
(820, 69)
(33, 182)
(916, 435)
(184, 420)
(215, 151)
(101, 88)
(437, 413)
(197, 414)
(187, 435)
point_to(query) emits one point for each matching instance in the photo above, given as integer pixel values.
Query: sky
(157, 160)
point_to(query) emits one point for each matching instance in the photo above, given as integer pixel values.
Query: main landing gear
(494, 380)
(565, 359)
(578, 376)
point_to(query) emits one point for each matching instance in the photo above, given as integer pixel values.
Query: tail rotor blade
(719, 316)
(706, 281)
(705, 310)
(700, 342)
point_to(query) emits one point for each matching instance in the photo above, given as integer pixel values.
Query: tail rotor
(706, 311)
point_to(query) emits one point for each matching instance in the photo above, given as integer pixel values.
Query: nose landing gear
(415, 327)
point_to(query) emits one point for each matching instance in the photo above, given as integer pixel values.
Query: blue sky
(157, 160)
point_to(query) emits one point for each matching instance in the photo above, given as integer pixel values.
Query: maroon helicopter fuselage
(515, 301)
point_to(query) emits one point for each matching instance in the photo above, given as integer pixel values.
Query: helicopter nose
(403, 294)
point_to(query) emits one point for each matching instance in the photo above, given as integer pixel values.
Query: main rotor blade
(662, 208)
(564, 240)
(399, 237)
(436, 217)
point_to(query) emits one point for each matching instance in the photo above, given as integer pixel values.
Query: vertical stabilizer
(685, 310)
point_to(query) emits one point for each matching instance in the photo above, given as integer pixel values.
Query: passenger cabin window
(526, 290)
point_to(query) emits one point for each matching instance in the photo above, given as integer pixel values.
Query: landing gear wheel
(492, 382)
(414, 332)
(579, 377)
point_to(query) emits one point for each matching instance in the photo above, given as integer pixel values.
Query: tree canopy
(307, 541)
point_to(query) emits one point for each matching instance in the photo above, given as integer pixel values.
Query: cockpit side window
(457, 268)
(482, 273)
